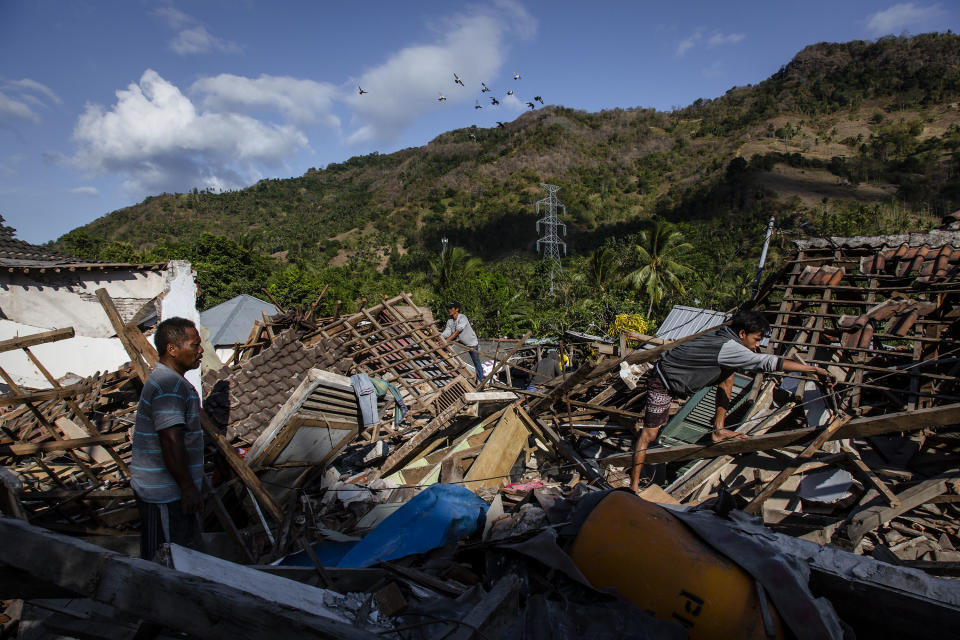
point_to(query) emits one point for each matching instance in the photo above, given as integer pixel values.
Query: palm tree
(453, 264)
(601, 268)
(658, 253)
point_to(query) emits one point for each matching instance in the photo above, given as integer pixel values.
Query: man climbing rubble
(707, 360)
(167, 464)
(458, 326)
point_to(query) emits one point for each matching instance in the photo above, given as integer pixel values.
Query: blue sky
(105, 102)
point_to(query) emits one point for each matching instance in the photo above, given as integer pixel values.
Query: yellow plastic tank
(655, 561)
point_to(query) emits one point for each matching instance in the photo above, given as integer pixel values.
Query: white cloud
(690, 42)
(900, 16)
(730, 38)
(404, 87)
(192, 36)
(199, 40)
(13, 109)
(26, 84)
(715, 39)
(18, 102)
(86, 191)
(174, 17)
(301, 101)
(158, 139)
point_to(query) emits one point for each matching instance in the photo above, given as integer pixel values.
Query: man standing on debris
(167, 465)
(458, 326)
(707, 360)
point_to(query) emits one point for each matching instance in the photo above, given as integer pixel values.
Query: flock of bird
(531, 104)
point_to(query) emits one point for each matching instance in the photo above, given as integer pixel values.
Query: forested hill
(858, 136)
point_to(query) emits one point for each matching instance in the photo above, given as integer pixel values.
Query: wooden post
(138, 364)
(246, 474)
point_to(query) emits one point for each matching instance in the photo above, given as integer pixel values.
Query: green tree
(601, 269)
(660, 270)
(452, 265)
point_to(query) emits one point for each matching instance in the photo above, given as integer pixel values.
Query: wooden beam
(757, 503)
(118, 326)
(44, 396)
(857, 428)
(872, 517)
(81, 416)
(492, 466)
(246, 474)
(36, 338)
(197, 606)
(27, 448)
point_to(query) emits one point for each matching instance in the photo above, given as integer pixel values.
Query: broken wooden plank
(246, 474)
(492, 466)
(45, 395)
(866, 474)
(118, 326)
(757, 503)
(857, 428)
(24, 449)
(872, 517)
(36, 338)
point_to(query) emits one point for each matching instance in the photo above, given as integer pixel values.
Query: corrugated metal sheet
(230, 322)
(684, 321)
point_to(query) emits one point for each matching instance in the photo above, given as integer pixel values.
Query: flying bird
(360, 89)
(509, 92)
(531, 105)
(457, 79)
(501, 125)
(485, 88)
(442, 97)
(477, 105)
(473, 136)
(538, 99)
(494, 100)
(516, 76)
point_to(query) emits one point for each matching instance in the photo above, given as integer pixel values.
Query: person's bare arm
(724, 391)
(793, 366)
(175, 460)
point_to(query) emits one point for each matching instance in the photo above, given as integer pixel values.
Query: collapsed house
(360, 482)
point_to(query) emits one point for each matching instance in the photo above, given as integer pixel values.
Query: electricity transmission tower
(550, 240)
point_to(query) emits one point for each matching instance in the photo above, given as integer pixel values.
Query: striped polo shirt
(168, 400)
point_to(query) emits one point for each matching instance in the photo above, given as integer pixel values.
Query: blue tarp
(440, 514)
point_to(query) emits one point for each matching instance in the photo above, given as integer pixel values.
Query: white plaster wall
(79, 355)
(68, 299)
(180, 300)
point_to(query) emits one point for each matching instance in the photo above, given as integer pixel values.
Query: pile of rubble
(465, 510)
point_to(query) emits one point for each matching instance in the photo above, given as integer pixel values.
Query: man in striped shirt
(167, 465)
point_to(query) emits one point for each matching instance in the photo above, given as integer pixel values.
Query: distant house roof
(18, 255)
(15, 252)
(230, 322)
(685, 321)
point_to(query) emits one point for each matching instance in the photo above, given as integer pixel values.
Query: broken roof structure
(424, 515)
